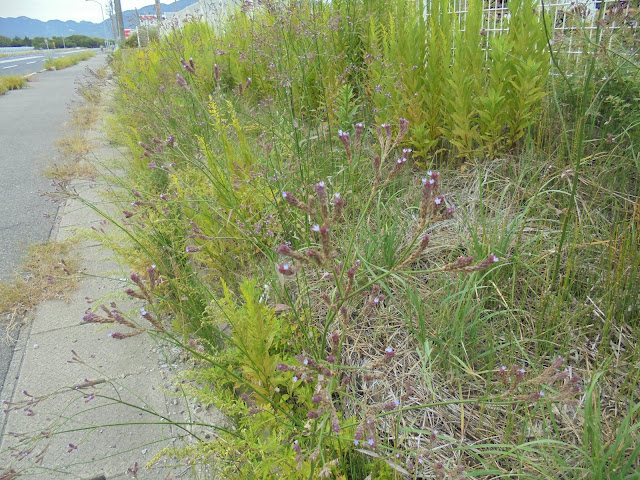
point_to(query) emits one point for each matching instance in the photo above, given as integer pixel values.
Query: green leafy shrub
(258, 337)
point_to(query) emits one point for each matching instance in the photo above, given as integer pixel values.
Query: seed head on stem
(315, 256)
(181, 81)
(285, 269)
(358, 136)
(294, 202)
(424, 243)
(460, 264)
(345, 138)
(189, 67)
(289, 252)
(321, 193)
(325, 241)
(338, 205)
(351, 273)
(483, 265)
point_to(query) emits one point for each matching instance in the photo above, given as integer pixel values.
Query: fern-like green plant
(440, 42)
(529, 63)
(492, 111)
(465, 82)
(347, 107)
(256, 337)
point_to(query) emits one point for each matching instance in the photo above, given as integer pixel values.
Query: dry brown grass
(85, 117)
(91, 92)
(71, 170)
(46, 274)
(102, 73)
(74, 146)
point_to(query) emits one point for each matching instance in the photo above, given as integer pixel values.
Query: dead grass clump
(85, 117)
(91, 92)
(68, 171)
(46, 274)
(74, 146)
(101, 73)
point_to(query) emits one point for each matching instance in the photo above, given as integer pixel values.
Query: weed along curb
(12, 82)
(84, 405)
(64, 62)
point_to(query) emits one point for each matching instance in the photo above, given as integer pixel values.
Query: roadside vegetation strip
(66, 61)
(388, 260)
(12, 82)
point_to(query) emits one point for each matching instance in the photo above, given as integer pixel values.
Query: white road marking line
(21, 59)
(29, 63)
(10, 66)
(74, 51)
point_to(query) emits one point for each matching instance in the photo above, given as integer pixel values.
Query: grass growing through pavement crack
(74, 145)
(47, 273)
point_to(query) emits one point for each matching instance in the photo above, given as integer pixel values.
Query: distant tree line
(54, 42)
(14, 42)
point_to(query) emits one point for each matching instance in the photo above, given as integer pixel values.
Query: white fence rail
(567, 17)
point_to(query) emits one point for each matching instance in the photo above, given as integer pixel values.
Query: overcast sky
(77, 10)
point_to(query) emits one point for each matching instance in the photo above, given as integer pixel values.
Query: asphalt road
(27, 64)
(31, 120)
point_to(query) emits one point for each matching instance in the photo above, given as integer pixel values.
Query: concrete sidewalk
(81, 404)
(31, 121)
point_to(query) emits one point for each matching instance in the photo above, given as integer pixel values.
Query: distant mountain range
(25, 26)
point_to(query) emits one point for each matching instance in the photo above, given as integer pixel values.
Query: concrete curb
(13, 375)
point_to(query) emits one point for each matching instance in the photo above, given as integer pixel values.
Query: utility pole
(158, 13)
(138, 25)
(120, 22)
(114, 24)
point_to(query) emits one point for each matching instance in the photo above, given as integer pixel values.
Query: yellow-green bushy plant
(257, 342)
(528, 67)
(195, 190)
(64, 62)
(11, 82)
(407, 63)
(460, 91)
(465, 83)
